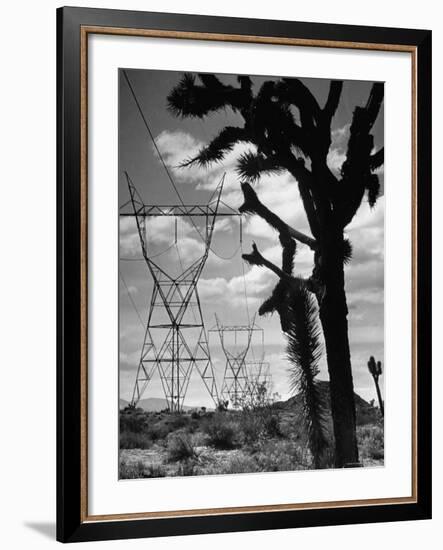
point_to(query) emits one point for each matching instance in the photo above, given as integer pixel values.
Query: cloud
(365, 277)
(222, 287)
(366, 233)
(231, 292)
(129, 361)
(129, 238)
(337, 150)
(177, 147)
(335, 160)
(281, 195)
(303, 262)
(223, 225)
(162, 233)
(373, 295)
(367, 217)
(278, 192)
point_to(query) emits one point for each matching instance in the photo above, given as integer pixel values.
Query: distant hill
(366, 413)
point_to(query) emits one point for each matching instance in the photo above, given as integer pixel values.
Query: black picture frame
(72, 525)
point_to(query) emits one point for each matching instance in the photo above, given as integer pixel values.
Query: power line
(168, 173)
(244, 287)
(225, 257)
(246, 295)
(171, 179)
(152, 137)
(130, 298)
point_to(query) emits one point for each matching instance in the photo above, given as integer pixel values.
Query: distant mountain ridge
(365, 412)
(152, 404)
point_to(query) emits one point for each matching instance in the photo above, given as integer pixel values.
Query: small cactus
(376, 370)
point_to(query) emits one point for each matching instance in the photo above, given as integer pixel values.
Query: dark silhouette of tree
(376, 370)
(291, 133)
(298, 318)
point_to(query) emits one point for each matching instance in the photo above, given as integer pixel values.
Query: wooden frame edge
(84, 274)
(251, 39)
(90, 29)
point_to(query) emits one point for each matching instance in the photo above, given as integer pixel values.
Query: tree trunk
(380, 400)
(333, 316)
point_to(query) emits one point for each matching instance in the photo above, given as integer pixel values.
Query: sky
(231, 288)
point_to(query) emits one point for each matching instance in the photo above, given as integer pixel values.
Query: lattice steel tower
(175, 341)
(237, 384)
(259, 379)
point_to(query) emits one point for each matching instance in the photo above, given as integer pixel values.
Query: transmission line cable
(168, 173)
(131, 300)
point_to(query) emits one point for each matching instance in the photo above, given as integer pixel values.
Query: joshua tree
(304, 351)
(376, 370)
(298, 318)
(290, 132)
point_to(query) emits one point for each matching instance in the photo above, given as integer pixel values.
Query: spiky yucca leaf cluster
(189, 99)
(304, 350)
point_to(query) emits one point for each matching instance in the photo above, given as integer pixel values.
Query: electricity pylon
(259, 379)
(236, 387)
(180, 344)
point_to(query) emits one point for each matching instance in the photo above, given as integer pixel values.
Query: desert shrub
(159, 427)
(157, 431)
(240, 464)
(187, 468)
(134, 440)
(371, 442)
(367, 415)
(179, 447)
(251, 427)
(195, 415)
(256, 424)
(277, 456)
(220, 432)
(154, 470)
(137, 470)
(133, 420)
(176, 421)
(377, 454)
(193, 425)
(271, 422)
(133, 470)
(199, 439)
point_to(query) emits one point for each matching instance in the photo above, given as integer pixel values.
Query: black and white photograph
(219, 316)
(251, 274)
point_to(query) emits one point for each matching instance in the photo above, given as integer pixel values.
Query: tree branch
(252, 204)
(356, 171)
(377, 159)
(255, 258)
(296, 93)
(297, 168)
(374, 102)
(335, 89)
(278, 300)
